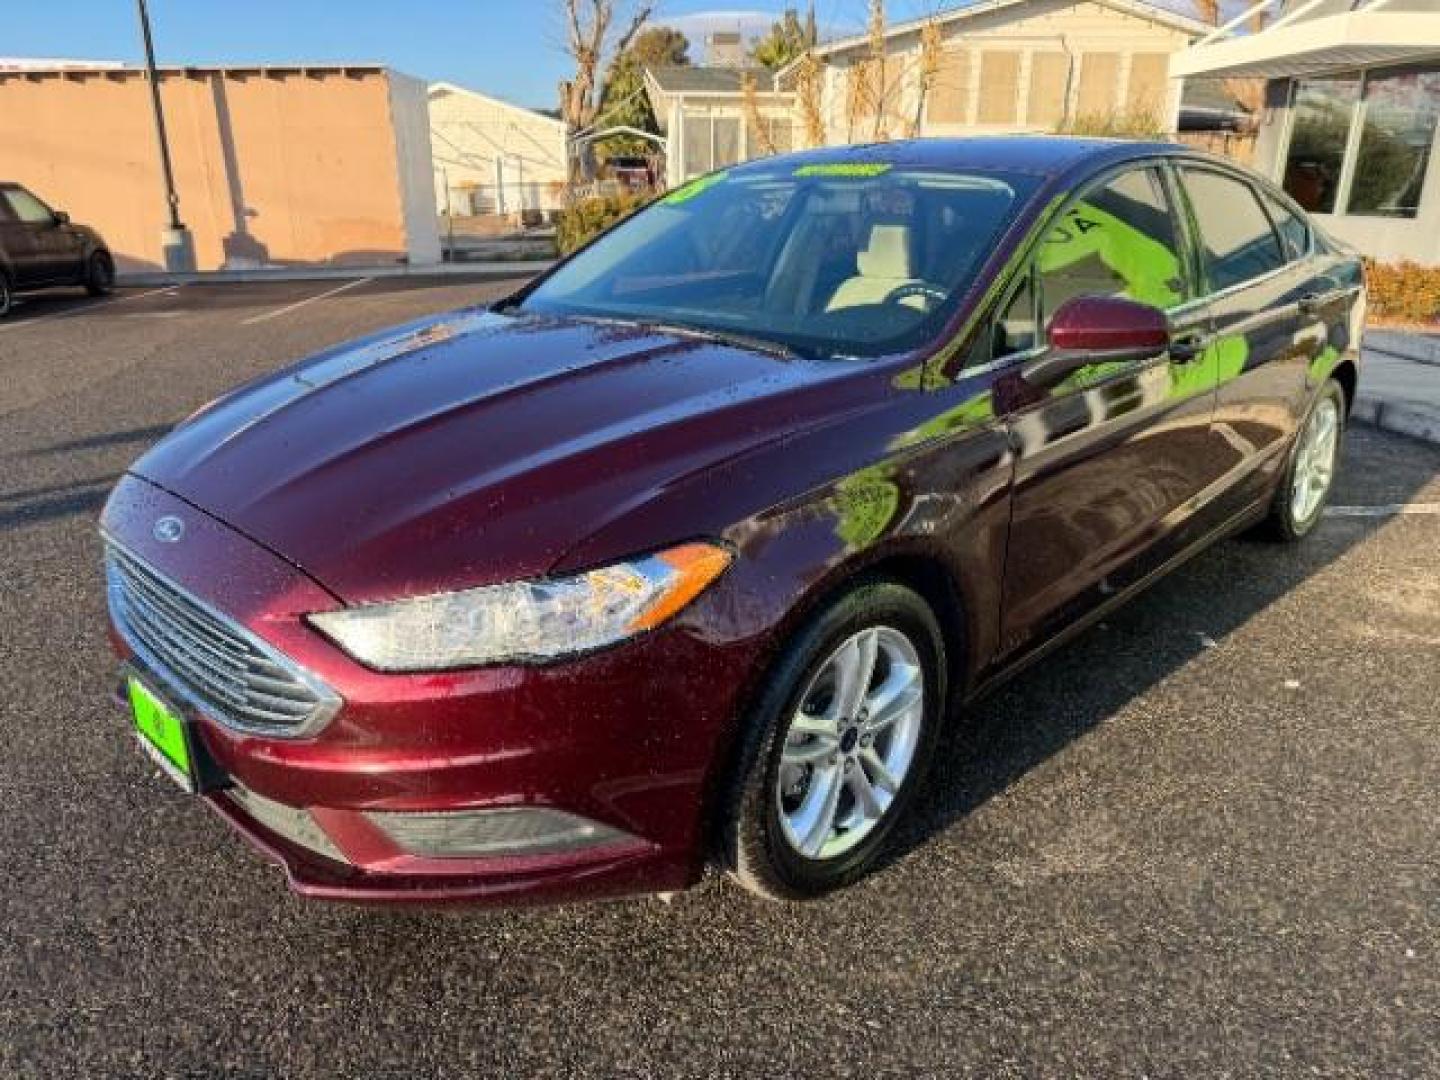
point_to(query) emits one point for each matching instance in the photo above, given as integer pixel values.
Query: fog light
(461, 834)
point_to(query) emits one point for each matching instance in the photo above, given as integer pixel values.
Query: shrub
(587, 218)
(1114, 125)
(1403, 291)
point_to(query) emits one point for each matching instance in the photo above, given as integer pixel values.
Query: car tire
(7, 294)
(1310, 469)
(785, 779)
(100, 274)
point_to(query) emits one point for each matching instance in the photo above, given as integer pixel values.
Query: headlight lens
(525, 620)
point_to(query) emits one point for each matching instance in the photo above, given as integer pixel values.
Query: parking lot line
(85, 309)
(267, 316)
(1386, 510)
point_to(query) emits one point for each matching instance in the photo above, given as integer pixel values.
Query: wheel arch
(1348, 377)
(924, 572)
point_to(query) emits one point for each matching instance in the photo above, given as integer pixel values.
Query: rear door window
(1237, 241)
(1294, 233)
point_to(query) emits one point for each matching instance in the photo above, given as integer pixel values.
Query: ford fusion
(686, 553)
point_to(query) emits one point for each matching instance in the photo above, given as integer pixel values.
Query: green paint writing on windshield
(839, 168)
(688, 191)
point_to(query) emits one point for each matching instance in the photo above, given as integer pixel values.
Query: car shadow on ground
(39, 305)
(1007, 734)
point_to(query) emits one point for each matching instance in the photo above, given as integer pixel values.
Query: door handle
(1187, 347)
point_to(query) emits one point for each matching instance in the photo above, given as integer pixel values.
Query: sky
(509, 48)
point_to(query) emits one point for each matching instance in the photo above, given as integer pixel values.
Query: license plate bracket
(167, 735)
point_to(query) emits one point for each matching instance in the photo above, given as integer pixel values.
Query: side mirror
(61, 217)
(1094, 330)
(1108, 324)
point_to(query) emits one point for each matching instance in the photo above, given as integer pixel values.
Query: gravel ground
(1203, 840)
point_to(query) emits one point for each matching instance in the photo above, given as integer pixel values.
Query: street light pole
(175, 239)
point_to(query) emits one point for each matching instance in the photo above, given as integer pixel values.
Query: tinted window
(1119, 239)
(855, 259)
(28, 208)
(1294, 233)
(1236, 238)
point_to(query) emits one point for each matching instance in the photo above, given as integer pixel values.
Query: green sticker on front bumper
(160, 727)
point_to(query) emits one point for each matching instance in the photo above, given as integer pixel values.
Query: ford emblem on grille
(169, 529)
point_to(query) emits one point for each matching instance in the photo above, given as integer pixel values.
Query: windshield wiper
(724, 337)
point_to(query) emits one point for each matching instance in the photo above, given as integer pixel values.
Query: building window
(949, 100)
(1400, 113)
(1099, 79)
(999, 87)
(1379, 171)
(711, 142)
(1049, 81)
(1149, 87)
(1323, 111)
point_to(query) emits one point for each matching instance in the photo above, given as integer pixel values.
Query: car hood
(475, 447)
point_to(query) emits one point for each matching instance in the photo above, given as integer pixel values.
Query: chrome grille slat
(218, 665)
(151, 591)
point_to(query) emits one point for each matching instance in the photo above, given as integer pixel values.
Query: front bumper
(627, 739)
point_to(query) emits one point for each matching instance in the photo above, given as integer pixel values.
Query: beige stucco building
(1013, 66)
(1006, 66)
(326, 164)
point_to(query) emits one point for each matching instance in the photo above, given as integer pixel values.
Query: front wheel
(840, 737)
(1310, 472)
(7, 295)
(99, 274)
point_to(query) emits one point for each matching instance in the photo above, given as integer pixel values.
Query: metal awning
(1359, 38)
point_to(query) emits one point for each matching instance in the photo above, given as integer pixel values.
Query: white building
(492, 157)
(1351, 109)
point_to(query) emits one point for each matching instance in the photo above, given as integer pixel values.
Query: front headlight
(525, 620)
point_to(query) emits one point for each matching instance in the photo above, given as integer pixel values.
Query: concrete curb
(1417, 423)
(498, 268)
(1421, 348)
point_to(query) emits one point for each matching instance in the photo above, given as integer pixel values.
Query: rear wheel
(1310, 474)
(99, 274)
(837, 744)
(7, 295)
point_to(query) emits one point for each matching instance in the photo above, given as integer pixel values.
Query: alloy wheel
(851, 743)
(1315, 461)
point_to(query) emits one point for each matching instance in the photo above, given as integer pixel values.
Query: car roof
(1046, 155)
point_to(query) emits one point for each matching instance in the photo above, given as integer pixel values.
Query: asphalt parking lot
(1203, 840)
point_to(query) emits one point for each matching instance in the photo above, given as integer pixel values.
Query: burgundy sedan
(687, 552)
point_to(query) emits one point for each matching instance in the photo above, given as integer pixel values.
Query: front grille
(223, 669)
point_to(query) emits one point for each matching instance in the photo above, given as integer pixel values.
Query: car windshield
(828, 259)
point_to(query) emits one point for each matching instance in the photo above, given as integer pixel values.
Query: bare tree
(591, 43)
(931, 43)
(750, 106)
(879, 85)
(809, 79)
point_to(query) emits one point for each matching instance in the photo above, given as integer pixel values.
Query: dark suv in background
(40, 247)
